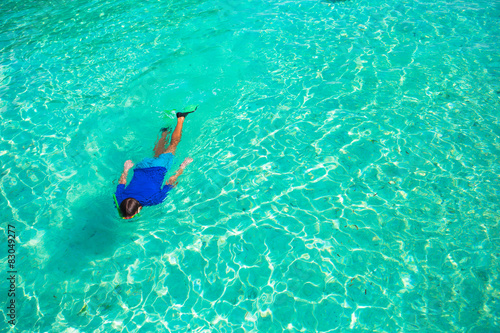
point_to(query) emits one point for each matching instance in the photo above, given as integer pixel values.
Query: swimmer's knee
(171, 148)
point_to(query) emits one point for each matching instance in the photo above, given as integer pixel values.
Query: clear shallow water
(345, 174)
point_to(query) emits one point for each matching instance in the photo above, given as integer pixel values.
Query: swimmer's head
(130, 207)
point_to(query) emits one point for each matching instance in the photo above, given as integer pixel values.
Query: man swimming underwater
(145, 187)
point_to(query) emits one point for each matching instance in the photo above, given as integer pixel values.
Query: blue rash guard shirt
(145, 187)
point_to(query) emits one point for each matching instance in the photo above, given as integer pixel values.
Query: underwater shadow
(96, 231)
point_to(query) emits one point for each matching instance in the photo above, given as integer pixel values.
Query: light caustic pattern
(345, 174)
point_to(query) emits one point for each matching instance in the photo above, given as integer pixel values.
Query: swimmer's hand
(172, 181)
(126, 167)
(186, 162)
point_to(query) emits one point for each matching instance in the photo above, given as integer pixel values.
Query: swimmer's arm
(172, 181)
(126, 167)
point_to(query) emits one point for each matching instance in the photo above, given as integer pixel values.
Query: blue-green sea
(345, 175)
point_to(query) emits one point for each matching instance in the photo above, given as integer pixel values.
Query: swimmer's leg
(160, 145)
(176, 136)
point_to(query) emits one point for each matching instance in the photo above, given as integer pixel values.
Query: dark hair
(129, 207)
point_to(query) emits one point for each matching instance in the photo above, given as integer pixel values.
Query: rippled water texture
(345, 174)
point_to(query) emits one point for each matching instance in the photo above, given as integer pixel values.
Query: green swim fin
(187, 110)
(169, 116)
(190, 108)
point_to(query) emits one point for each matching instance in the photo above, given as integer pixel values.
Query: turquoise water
(345, 174)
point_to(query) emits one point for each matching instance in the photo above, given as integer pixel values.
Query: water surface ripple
(345, 174)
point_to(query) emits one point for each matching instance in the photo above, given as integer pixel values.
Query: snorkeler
(145, 188)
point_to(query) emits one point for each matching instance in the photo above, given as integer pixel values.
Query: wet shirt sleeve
(163, 194)
(119, 193)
